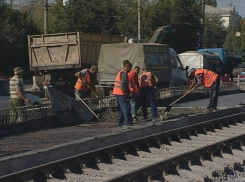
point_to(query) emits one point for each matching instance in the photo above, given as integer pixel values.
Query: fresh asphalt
(223, 101)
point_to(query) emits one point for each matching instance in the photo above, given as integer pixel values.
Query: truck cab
(178, 77)
(227, 61)
(221, 52)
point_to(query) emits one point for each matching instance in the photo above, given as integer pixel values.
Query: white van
(178, 72)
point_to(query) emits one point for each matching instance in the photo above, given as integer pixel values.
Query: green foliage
(185, 17)
(234, 42)
(14, 28)
(94, 16)
(211, 3)
(215, 25)
(116, 17)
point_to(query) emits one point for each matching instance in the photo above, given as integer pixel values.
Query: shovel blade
(168, 108)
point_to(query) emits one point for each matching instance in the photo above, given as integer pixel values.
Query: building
(229, 15)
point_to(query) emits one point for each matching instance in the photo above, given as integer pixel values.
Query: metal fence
(21, 114)
(111, 101)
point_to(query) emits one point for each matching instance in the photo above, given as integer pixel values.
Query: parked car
(5, 96)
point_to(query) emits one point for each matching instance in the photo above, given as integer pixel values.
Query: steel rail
(81, 160)
(145, 173)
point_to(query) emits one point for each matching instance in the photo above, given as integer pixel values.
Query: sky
(239, 5)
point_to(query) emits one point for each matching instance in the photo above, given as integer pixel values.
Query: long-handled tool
(97, 96)
(87, 107)
(168, 108)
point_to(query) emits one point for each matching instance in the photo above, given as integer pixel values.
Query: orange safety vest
(117, 90)
(83, 87)
(131, 81)
(209, 77)
(146, 80)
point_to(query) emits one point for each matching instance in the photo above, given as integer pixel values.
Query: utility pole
(139, 20)
(202, 30)
(46, 17)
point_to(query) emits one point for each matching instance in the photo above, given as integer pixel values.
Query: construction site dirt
(62, 134)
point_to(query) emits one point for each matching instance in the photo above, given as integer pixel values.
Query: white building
(229, 15)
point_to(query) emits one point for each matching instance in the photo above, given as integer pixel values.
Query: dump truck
(59, 56)
(148, 56)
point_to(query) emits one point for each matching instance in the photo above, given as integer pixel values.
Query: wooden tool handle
(97, 95)
(188, 91)
(88, 107)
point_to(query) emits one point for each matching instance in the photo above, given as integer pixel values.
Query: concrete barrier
(30, 159)
(37, 83)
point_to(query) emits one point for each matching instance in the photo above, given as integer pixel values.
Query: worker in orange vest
(86, 78)
(122, 92)
(208, 79)
(147, 82)
(134, 89)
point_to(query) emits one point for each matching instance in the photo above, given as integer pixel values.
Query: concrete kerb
(26, 160)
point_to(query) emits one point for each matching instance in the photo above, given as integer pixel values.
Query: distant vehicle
(178, 77)
(195, 59)
(148, 56)
(5, 96)
(59, 56)
(228, 62)
(241, 76)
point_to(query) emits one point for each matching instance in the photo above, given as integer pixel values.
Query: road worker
(122, 93)
(147, 82)
(208, 79)
(134, 89)
(86, 80)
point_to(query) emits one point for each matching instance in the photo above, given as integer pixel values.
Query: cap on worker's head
(18, 70)
(191, 72)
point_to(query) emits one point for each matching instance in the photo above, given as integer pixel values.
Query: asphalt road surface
(223, 101)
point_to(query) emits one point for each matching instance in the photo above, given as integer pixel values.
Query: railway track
(200, 152)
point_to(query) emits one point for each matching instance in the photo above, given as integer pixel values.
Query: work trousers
(133, 105)
(124, 110)
(17, 113)
(144, 92)
(214, 93)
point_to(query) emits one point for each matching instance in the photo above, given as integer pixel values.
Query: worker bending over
(147, 82)
(208, 79)
(85, 82)
(122, 93)
(134, 89)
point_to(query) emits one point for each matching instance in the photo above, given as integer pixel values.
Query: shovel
(168, 108)
(97, 96)
(88, 107)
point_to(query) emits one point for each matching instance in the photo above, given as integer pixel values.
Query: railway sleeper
(217, 156)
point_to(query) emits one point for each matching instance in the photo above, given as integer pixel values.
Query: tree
(36, 10)
(14, 28)
(94, 16)
(214, 25)
(184, 16)
(234, 42)
(211, 3)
